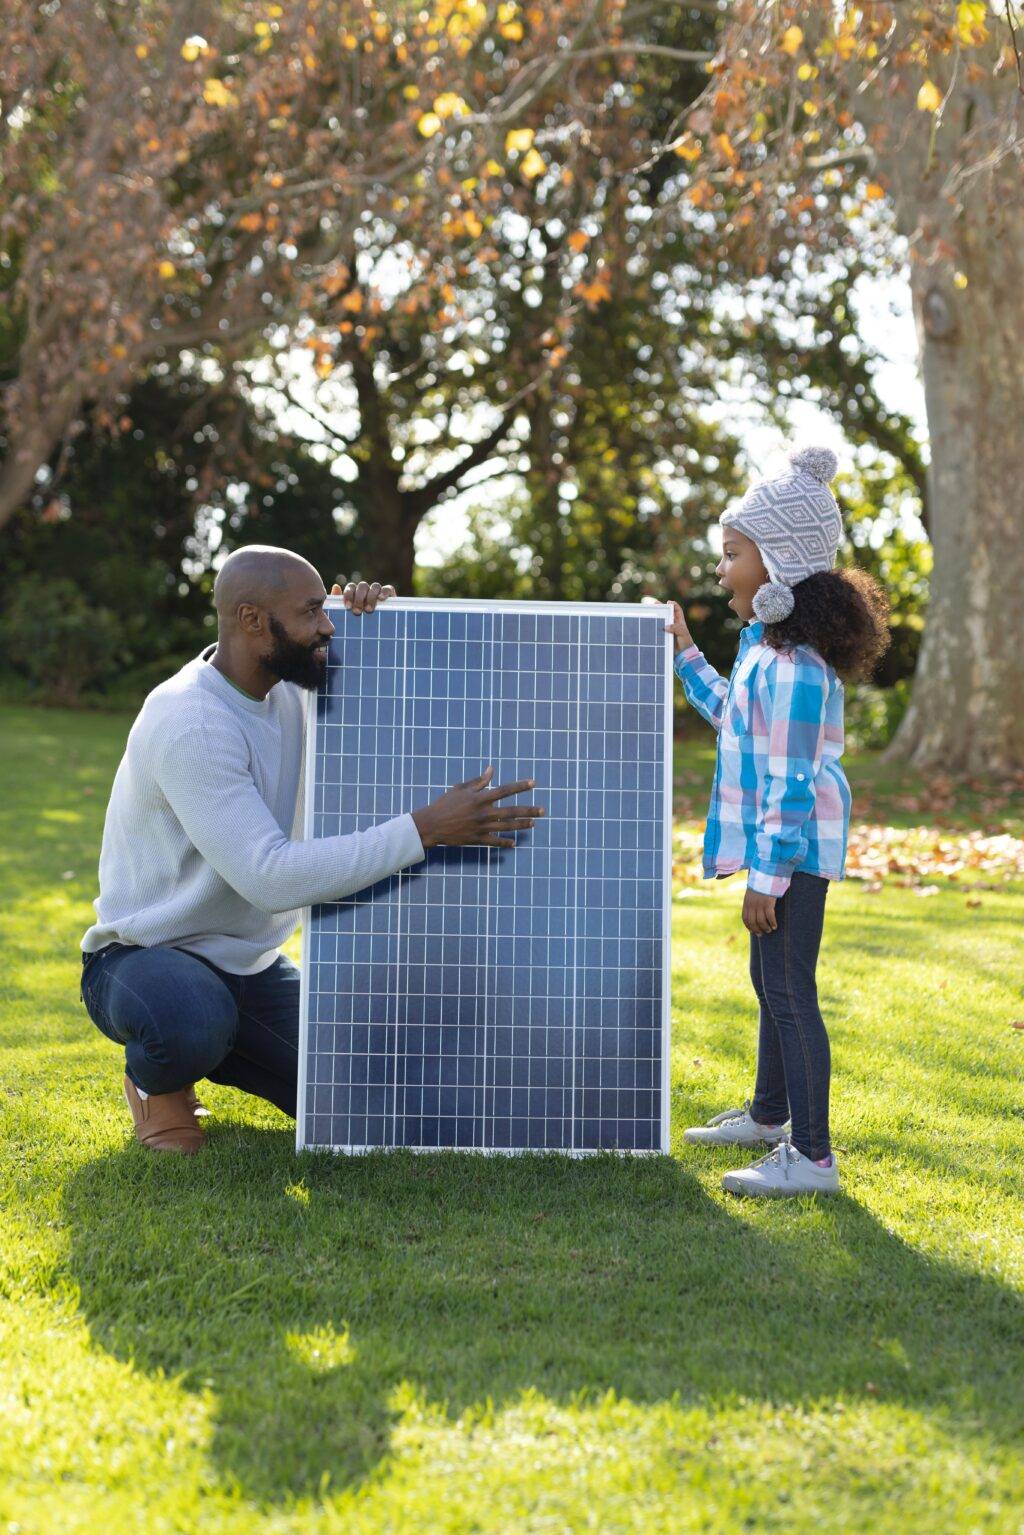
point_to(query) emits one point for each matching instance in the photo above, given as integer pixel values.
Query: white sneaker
(783, 1173)
(734, 1127)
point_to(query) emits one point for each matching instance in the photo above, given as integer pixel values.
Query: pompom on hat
(795, 522)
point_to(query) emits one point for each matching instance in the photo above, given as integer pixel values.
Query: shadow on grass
(302, 1292)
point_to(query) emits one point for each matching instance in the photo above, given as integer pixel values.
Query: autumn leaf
(216, 94)
(429, 124)
(970, 23)
(929, 97)
(687, 148)
(578, 241)
(509, 24)
(167, 270)
(518, 140)
(449, 104)
(873, 192)
(791, 40)
(594, 293)
(471, 14)
(533, 165)
(723, 143)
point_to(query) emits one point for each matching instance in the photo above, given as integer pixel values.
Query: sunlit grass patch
(260, 1343)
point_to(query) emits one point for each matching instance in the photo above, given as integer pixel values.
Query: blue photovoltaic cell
(493, 998)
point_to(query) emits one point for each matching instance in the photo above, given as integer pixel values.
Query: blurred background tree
(814, 114)
(328, 288)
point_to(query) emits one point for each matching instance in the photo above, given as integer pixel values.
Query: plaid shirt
(780, 800)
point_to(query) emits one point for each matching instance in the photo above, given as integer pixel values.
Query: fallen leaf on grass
(912, 857)
(917, 854)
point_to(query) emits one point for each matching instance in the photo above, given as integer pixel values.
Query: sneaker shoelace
(731, 1119)
(782, 1155)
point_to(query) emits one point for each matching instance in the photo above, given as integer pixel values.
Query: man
(201, 876)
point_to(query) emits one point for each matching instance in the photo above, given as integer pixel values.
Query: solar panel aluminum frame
(562, 609)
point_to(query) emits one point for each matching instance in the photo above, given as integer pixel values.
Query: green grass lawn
(252, 1342)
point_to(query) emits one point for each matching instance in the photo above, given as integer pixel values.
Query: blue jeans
(793, 1059)
(181, 1018)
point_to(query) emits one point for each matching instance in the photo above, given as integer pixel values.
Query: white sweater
(197, 843)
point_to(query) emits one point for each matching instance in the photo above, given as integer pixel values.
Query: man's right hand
(469, 814)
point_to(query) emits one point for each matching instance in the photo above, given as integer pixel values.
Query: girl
(780, 802)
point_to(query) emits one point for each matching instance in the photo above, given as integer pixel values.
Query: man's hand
(759, 912)
(362, 596)
(683, 637)
(469, 814)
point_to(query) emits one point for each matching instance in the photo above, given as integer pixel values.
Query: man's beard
(290, 661)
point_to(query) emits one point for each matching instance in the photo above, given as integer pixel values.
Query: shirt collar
(752, 634)
(228, 689)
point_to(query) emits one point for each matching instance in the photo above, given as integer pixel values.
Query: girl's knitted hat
(795, 522)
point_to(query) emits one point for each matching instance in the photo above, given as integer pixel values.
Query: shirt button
(800, 777)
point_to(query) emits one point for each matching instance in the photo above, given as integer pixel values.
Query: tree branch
(419, 501)
(862, 155)
(335, 438)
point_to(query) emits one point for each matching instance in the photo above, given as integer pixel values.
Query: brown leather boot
(164, 1121)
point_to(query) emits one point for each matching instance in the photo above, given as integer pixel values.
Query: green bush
(873, 713)
(55, 641)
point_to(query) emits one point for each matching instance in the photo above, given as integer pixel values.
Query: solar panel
(494, 999)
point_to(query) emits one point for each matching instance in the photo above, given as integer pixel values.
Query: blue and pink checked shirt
(780, 800)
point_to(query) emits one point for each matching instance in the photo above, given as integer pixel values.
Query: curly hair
(844, 615)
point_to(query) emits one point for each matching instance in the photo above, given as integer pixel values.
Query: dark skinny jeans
(181, 1018)
(793, 1057)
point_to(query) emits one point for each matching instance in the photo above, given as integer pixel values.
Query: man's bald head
(271, 622)
(259, 576)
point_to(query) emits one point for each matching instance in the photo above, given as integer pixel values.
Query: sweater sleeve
(705, 688)
(205, 775)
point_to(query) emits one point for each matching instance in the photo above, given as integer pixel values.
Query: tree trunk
(32, 441)
(967, 705)
(390, 536)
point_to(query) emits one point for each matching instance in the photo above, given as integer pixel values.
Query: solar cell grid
(496, 999)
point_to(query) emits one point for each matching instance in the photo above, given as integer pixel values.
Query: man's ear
(250, 618)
